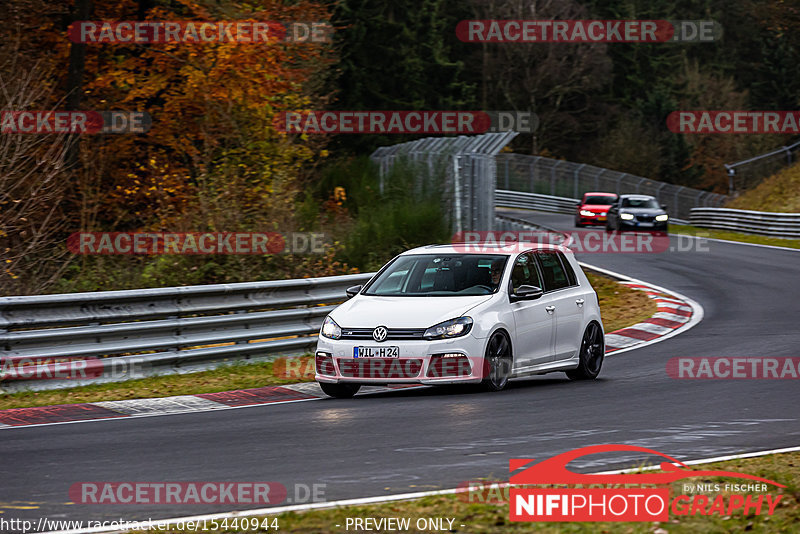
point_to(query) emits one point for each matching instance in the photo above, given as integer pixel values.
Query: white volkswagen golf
(445, 314)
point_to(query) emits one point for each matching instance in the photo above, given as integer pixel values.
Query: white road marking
(652, 328)
(618, 341)
(671, 317)
(163, 405)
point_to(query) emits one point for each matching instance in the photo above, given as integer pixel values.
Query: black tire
(497, 364)
(592, 352)
(339, 391)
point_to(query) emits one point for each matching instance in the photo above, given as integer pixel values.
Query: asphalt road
(428, 439)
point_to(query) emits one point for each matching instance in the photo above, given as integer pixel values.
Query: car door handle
(550, 309)
(580, 302)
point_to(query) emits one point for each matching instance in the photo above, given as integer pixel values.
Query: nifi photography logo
(611, 497)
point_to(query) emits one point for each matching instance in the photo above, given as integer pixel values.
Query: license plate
(601, 218)
(376, 352)
(645, 225)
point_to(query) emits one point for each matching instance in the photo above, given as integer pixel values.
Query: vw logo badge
(380, 333)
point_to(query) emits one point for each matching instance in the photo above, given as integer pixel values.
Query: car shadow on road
(515, 386)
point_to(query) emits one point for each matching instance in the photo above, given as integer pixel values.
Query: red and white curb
(671, 314)
(180, 404)
(676, 313)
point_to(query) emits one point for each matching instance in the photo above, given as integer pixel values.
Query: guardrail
(751, 222)
(110, 331)
(534, 201)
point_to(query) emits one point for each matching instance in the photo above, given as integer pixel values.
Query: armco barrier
(165, 327)
(533, 201)
(751, 222)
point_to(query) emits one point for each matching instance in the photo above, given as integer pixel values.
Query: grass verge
(620, 307)
(475, 515)
(734, 236)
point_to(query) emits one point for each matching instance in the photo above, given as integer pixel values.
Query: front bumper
(419, 362)
(594, 219)
(643, 227)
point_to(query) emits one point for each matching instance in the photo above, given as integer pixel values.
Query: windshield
(441, 275)
(599, 201)
(640, 203)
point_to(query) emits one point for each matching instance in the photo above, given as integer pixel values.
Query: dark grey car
(637, 212)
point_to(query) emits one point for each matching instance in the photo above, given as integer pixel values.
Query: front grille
(380, 367)
(645, 218)
(394, 333)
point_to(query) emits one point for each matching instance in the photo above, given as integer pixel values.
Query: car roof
(483, 248)
(648, 197)
(600, 194)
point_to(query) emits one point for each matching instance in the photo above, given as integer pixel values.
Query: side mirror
(664, 207)
(525, 292)
(353, 291)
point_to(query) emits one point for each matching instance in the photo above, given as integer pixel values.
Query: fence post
(619, 181)
(597, 179)
(677, 207)
(457, 193)
(553, 178)
(658, 192)
(575, 174)
(731, 174)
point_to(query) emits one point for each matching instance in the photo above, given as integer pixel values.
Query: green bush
(406, 213)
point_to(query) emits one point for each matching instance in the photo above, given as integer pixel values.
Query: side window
(573, 280)
(525, 272)
(554, 275)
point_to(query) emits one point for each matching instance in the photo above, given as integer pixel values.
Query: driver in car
(496, 272)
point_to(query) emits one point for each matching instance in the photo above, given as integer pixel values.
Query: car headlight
(330, 329)
(587, 213)
(452, 328)
(626, 216)
(662, 217)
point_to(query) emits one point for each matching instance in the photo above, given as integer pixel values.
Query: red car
(594, 208)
